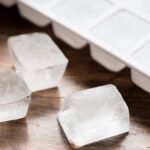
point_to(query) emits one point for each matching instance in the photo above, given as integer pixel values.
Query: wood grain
(40, 130)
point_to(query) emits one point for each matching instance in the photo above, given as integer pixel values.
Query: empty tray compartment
(33, 15)
(121, 30)
(142, 56)
(79, 14)
(105, 59)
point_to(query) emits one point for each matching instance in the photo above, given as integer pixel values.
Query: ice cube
(14, 96)
(93, 115)
(39, 61)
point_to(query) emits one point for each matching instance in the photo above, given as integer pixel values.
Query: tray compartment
(81, 13)
(142, 56)
(121, 30)
(68, 36)
(32, 15)
(105, 59)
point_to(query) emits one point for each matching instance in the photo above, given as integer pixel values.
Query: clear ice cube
(93, 115)
(14, 96)
(39, 61)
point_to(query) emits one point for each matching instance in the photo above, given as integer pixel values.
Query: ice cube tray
(118, 31)
(38, 60)
(14, 96)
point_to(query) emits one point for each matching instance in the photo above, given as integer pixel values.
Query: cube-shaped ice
(93, 115)
(14, 96)
(32, 11)
(38, 60)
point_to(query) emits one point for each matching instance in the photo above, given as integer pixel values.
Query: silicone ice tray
(118, 31)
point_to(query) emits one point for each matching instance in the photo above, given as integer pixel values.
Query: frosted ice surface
(93, 115)
(14, 96)
(36, 51)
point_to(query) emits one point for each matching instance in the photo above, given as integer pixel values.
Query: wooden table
(40, 130)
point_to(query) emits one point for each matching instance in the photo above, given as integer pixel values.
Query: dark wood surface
(40, 130)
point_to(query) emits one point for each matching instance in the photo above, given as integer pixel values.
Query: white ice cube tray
(118, 31)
